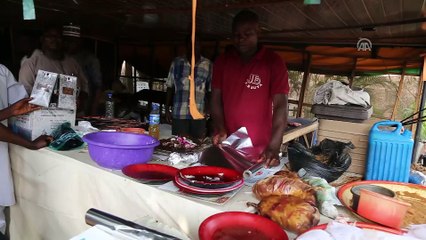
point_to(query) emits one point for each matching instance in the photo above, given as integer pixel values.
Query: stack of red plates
(208, 180)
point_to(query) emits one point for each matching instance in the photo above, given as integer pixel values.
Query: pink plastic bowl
(117, 150)
(382, 209)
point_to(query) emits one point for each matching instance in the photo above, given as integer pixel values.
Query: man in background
(51, 57)
(88, 62)
(178, 83)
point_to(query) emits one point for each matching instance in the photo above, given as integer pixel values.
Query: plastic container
(377, 189)
(389, 152)
(154, 121)
(109, 105)
(382, 209)
(116, 150)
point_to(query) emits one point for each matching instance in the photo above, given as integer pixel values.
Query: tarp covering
(344, 60)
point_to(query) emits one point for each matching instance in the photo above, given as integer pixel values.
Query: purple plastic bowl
(116, 150)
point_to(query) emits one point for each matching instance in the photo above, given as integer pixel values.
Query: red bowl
(210, 176)
(241, 226)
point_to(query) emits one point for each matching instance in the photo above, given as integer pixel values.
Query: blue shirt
(179, 72)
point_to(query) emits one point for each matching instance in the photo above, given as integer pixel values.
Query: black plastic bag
(335, 152)
(65, 138)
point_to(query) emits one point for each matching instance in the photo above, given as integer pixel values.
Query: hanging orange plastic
(192, 105)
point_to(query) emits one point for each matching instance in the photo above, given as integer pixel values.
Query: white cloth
(343, 231)
(10, 92)
(54, 189)
(337, 93)
(315, 234)
(418, 231)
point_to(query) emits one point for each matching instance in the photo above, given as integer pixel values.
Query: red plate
(202, 191)
(210, 176)
(151, 173)
(240, 225)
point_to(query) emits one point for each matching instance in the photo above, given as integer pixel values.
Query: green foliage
(295, 79)
(368, 81)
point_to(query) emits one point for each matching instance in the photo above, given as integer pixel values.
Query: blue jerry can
(389, 152)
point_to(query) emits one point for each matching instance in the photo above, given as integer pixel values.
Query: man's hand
(41, 142)
(219, 137)
(22, 107)
(270, 157)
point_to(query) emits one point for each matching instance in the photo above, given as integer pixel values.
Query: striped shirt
(178, 77)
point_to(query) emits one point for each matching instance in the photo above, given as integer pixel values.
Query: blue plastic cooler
(389, 152)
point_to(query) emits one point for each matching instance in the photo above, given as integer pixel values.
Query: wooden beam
(358, 26)
(307, 65)
(424, 69)
(358, 55)
(398, 94)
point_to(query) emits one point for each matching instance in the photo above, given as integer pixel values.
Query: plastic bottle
(154, 121)
(109, 105)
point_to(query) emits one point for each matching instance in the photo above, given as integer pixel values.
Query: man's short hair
(244, 16)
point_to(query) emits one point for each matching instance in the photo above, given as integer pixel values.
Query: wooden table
(307, 127)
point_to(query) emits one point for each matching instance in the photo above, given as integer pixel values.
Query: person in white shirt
(13, 102)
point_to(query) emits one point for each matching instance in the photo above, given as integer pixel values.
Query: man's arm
(207, 105)
(216, 108)
(170, 83)
(6, 135)
(20, 107)
(279, 123)
(169, 103)
(5, 114)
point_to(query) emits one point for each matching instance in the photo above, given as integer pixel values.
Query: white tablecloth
(55, 189)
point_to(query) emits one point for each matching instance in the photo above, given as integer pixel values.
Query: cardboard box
(40, 122)
(357, 133)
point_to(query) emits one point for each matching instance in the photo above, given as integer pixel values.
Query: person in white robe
(13, 101)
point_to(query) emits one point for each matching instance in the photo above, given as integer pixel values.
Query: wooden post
(398, 94)
(351, 77)
(307, 68)
(417, 136)
(419, 96)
